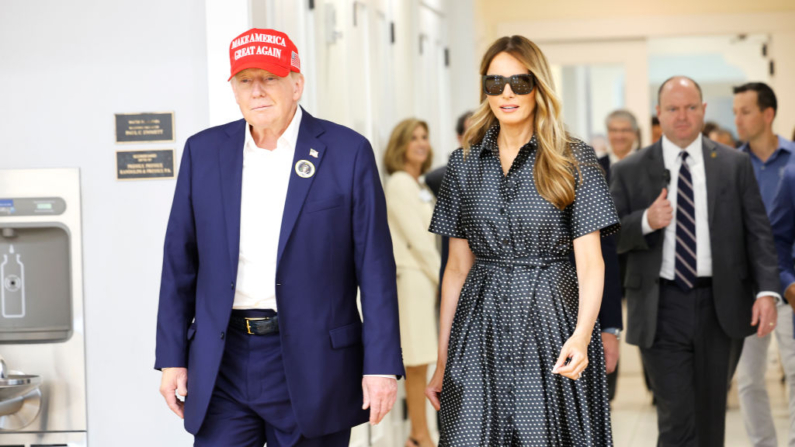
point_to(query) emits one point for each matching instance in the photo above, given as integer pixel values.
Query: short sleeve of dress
(593, 207)
(447, 219)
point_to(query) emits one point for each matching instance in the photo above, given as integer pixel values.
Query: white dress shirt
(695, 160)
(266, 175)
(614, 158)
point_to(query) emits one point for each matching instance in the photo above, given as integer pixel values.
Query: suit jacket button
(656, 280)
(222, 335)
(232, 286)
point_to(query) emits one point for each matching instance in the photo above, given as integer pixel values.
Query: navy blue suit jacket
(782, 220)
(334, 240)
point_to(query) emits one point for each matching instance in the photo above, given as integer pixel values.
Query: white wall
(775, 24)
(66, 68)
(464, 62)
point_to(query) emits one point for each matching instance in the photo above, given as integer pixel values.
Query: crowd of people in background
(677, 362)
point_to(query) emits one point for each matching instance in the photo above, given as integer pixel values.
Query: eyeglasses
(521, 84)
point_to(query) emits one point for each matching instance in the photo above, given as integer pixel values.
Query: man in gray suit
(701, 267)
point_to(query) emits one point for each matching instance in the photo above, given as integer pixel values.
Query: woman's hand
(575, 349)
(434, 389)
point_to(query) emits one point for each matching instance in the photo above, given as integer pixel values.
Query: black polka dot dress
(519, 304)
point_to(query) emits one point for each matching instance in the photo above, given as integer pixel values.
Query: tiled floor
(635, 419)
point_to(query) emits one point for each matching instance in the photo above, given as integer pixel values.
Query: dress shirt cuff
(381, 375)
(775, 296)
(644, 223)
(612, 330)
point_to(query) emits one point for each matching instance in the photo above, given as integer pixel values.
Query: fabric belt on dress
(255, 322)
(530, 261)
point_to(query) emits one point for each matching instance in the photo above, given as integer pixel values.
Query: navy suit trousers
(250, 404)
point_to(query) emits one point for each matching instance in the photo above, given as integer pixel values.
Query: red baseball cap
(267, 49)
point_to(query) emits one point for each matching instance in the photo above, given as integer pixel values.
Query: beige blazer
(409, 210)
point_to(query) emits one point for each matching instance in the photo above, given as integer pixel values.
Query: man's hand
(174, 379)
(611, 346)
(379, 395)
(765, 315)
(789, 295)
(660, 213)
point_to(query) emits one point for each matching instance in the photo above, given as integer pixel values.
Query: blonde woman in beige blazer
(409, 209)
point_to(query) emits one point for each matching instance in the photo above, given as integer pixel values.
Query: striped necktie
(685, 264)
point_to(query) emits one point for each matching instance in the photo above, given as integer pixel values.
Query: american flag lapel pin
(313, 153)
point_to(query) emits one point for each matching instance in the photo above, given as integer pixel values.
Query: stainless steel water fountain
(42, 343)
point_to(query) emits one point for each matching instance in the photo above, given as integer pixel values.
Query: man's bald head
(681, 110)
(683, 81)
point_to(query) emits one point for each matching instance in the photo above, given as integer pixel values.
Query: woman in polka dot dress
(520, 354)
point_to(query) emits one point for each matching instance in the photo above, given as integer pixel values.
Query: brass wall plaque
(141, 165)
(144, 127)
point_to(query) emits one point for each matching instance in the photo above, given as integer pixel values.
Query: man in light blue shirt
(755, 108)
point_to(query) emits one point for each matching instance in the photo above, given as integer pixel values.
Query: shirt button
(510, 388)
(222, 335)
(506, 242)
(502, 210)
(508, 359)
(763, 168)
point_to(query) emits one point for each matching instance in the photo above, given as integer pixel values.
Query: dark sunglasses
(521, 84)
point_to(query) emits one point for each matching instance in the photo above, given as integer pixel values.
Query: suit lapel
(655, 169)
(712, 171)
(298, 188)
(230, 158)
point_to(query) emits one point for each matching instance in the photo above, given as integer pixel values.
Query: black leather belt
(701, 282)
(255, 325)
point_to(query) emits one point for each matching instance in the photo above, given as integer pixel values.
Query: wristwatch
(613, 330)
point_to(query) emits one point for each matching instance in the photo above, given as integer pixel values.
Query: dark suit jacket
(610, 312)
(334, 240)
(782, 219)
(434, 181)
(743, 254)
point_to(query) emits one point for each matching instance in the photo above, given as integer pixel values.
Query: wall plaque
(141, 165)
(144, 127)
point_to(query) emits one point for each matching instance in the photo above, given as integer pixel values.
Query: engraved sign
(144, 127)
(140, 164)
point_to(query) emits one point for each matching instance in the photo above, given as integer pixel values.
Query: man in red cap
(278, 220)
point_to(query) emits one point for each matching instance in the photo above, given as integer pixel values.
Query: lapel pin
(714, 154)
(313, 153)
(304, 169)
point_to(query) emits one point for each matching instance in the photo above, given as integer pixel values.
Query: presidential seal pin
(304, 169)
(313, 153)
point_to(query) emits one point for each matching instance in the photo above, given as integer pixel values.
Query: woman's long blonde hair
(555, 163)
(395, 155)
